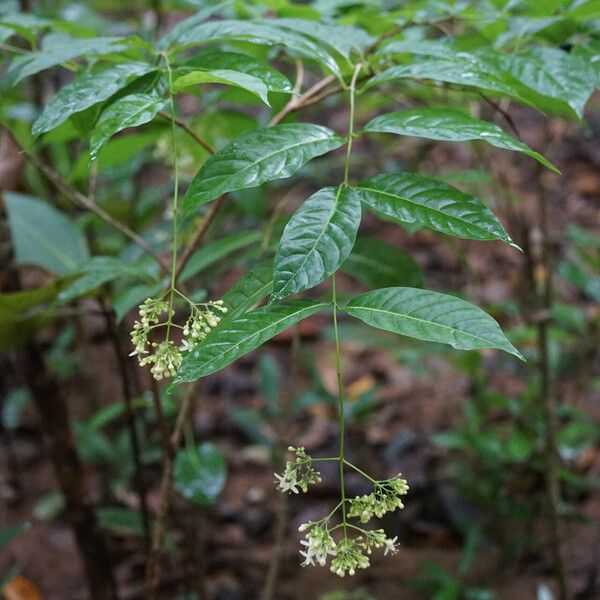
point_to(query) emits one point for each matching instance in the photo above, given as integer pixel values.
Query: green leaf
(96, 272)
(43, 236)
(226, 76)
(448, 125)
(120, 519)
(235, 338)
(200, 473)
(430, 316)
(13, 405)
(86, 90)
(249, 290)
(256, 157)
(406, 198)
(556, 74)
(210, 60)
(59, 48)
(133, 296)
(316, 241)
(257, 32)
(129, 111)
(218, 250)
(379, 264)
(341, 38)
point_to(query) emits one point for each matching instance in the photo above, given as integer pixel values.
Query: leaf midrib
(425, 207)
(270, 155)
(258, 332)
(387, 312)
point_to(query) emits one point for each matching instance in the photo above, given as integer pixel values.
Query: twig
(504, 113)
(183, 125)
(152, 574)
(83, 201)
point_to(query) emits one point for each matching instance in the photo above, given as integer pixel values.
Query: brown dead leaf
(20, 588)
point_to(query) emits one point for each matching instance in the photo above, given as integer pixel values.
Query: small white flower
(286, 486)
(186, 346)
(390, 546)
(308, 559)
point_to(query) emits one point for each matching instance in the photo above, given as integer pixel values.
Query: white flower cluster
(349, 554)
(385, 497)
(298, 473)
(164, 356)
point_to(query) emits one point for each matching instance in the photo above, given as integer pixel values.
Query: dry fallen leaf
(20, 588)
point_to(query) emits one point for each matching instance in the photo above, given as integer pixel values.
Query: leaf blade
(316, 241)
(430, 316)
(256, 157)
(449, 125)
(235, 338)
(407, 198)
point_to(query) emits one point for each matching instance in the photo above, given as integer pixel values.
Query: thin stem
(352, 90)
(349, 464)
(175, 205)
(341, 400)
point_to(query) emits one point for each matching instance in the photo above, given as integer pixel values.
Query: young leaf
(200, 473)
(256, 157)
(379, 264)
(211, 60)
(43, 236)
(258, 32)
(316, 241)
(448, 125)
(235, 338)
(129, 111)
(430, 316)
(86, 90)
(58, 49)
(406, 198)
(226, 76)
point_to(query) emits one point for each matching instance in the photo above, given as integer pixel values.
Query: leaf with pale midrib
(430, 316)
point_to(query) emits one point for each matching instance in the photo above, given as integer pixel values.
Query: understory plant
(222, 99)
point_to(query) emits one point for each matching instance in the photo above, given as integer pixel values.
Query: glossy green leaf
(200, 473)
(406, 198)
(210, 60)
(257, 32)
(448, 125)
(256, 285)
(379, 264)
(554, 73)
(430, 316)
(343, 39)
(256, 157)
(129, 111)
(316, 241)
(43, 236)
(252, 84)
(96, 272)
(218, 250)
(86, 90)
(57, 49)
(235, 338)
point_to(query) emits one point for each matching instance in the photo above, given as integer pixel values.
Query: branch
(183, 125)
(79, 199)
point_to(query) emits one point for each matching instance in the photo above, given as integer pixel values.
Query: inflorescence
(165, 356)
(323, 538)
